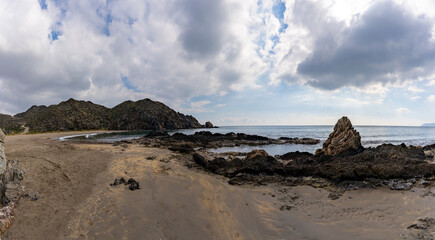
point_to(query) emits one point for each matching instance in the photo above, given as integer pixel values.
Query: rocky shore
(342, 162)
(205, 139)
(180, 199)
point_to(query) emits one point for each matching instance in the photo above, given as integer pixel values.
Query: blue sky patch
(127, 83)
(54, 35)
(278, 11)
(43, 4)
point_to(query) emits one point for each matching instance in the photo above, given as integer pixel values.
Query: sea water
(371, 136)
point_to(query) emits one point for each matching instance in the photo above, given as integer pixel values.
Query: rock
(6, 217)
(200, 160)
(118, 181)
(423, 229)
(2, 152)
(399, 185)
(185, 148)
(33, 196)
(133, 184)
(13, 192)
(255, 153)
(209, 125)
(423, 182)
(154, 134)
(11, 189)
(344, 140)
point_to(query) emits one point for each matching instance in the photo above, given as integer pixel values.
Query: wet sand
(177, 202)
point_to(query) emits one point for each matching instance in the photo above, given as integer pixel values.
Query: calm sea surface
(371, 136)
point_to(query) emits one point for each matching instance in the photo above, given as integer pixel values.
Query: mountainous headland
(76, 115)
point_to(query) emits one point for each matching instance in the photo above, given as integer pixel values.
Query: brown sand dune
(177, 202)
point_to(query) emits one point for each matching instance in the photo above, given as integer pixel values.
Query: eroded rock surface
(2, 152)
(11, 189)
(343, 140)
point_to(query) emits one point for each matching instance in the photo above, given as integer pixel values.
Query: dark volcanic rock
(388, 162)
(132, 184)
(209, 125)
(343, 140)
(205, 139)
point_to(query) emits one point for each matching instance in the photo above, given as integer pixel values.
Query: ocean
(371, 136)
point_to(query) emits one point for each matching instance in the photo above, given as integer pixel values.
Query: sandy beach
(177, 201)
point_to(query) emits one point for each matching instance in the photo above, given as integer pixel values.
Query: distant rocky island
(73, 115)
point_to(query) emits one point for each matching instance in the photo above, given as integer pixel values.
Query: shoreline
(178, 200)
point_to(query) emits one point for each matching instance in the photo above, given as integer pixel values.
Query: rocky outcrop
(206, 139)
(209, 125)
(84, 115)
(343, 140)
(11, 189)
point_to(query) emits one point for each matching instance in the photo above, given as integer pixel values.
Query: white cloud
(402, 110)
(173, 51)
(146, 42)
(415, 89)
(431, 98)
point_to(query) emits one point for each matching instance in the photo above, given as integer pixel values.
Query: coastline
(180, 201)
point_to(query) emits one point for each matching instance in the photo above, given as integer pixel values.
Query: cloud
(431, 98)
(385, 44)
(402, 110)
(110, 51)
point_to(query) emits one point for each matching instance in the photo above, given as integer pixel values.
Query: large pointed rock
(343, 140)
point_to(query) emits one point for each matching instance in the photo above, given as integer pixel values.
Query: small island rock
(343, 140)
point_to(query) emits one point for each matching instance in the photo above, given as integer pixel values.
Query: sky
(231, 62)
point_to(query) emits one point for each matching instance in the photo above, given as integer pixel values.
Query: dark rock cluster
(205, 139)
(342, 159)
(131, 183)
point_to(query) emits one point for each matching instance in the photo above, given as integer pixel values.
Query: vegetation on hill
(84, 115)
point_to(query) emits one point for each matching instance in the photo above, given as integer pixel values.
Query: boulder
(256, 152)
(344, 140)
(209, 125)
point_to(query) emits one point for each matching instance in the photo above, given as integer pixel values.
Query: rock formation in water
(342, 160)
(204, 139)
(84, 115)
(209, 125)
(343, 140)
(11, 189)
